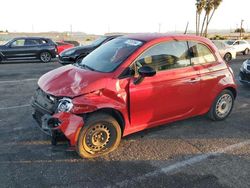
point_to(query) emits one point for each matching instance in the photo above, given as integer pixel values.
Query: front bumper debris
(63, 123)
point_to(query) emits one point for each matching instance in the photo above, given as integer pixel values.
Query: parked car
(240, 46)
(226, 51)
(133, 83)
(28, 48)
(244, 76)
(61, 46)
(75, 43)
(78, 53)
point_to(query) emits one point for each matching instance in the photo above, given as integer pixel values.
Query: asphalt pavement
(191, 153)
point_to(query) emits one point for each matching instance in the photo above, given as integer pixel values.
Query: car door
(211, 71)
(173, 93)
(15, 49)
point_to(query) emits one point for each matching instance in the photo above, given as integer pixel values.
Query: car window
(242, 42)
(219, 44)
(31, 42)
(200, 53)
(42, 41)
(19, 42)
(165, 56)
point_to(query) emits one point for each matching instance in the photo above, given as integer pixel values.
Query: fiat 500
(130, 84)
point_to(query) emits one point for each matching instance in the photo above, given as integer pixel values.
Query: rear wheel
(246, 51)
(100, 135)
(45, 57)
(222, 106)
(227, 57)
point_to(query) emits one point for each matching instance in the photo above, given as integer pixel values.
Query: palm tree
(208, 7)
(200, 4)
(216, 4)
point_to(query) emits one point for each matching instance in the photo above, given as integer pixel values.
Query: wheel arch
(112, 112)
(233, 90)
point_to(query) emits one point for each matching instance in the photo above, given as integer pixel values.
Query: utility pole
(241, 28)
(71, 29)
(159, 29)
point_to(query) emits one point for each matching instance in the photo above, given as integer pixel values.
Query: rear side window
(200, 54)
(31, 42)
(165, 56)
(242, 42)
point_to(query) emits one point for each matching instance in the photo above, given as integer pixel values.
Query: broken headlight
(65, 105)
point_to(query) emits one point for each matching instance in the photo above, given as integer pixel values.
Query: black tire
(228, 57)
(222, 106)
(246, 51)
(45, 57)
(100, 135)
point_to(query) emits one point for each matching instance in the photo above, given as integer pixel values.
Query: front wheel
(222, 106)
(45, 57)
(100, 135)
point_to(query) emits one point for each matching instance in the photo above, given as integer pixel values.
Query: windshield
(99, 41)
(109, 56)
(229, 42)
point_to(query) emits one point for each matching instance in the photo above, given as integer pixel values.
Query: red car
(61, 46)
(130, 84)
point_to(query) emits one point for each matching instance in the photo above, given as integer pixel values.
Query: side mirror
(144, 71)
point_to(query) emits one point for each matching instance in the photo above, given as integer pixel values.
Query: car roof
(152, 36)
(32, 38)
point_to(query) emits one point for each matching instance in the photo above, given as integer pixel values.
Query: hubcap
(224, 105)
(45, 57)
(97, 138)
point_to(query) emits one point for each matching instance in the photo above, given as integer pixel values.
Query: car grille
(44, 102)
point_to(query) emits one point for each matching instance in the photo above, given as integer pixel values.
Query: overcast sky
(101, 16)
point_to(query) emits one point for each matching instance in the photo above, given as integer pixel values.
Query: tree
(215, 5)
(209, 7)
(239, 30)
(200, 4)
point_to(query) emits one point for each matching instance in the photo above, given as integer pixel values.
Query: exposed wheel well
(114, 113)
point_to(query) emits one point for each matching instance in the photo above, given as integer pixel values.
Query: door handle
(193, 80)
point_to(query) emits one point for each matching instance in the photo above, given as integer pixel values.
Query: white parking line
(181, 164)
(14, 107)
(14, 81)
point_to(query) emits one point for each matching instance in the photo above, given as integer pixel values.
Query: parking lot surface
(191, 153)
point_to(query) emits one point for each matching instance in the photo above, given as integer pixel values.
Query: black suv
(28, 48)
(73, 55)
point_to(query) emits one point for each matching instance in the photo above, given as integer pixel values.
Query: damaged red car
(130, 84)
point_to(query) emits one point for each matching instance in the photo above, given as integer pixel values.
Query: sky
(102, 16)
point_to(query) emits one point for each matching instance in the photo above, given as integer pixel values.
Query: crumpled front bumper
(66, 123)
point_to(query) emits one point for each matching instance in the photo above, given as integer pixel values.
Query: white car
(239, 46)
(226, 51)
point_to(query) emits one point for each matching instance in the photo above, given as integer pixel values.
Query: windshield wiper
(86, 67)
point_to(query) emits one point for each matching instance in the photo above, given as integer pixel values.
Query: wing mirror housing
(144, 71)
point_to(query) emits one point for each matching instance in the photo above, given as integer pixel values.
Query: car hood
(71, 81)
(80, 49)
